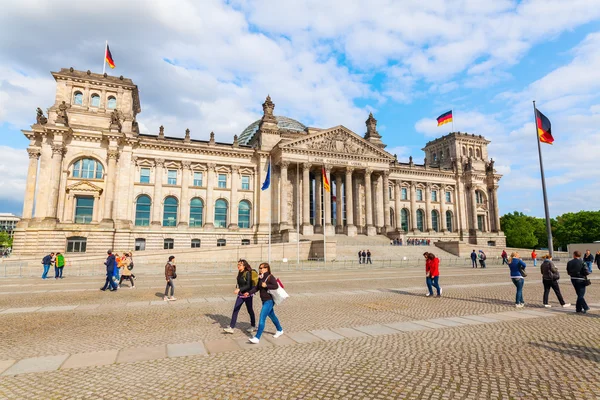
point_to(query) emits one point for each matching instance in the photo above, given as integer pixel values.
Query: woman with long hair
(266, 282)
(517, 267)
(432, 270)
(244, 285)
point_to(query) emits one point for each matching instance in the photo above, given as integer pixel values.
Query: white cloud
(13, 169)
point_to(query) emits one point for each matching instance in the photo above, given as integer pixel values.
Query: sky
(209, 65)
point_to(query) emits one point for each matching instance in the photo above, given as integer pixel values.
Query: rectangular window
(419, 195)
(76, 245)
(172, 177)
(84, 210)
(168, 244)
(221, 242)
(197, 178)
(222, 181)
(404, 194)
(245, 242)
(245, 182)
(480, 222)
(434, 195)
(390, 193)
(140, 244)
(195, 243)
(144, 175)
(448, 197)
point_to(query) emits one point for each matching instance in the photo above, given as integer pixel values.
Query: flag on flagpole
(444, 118)
(109, 58)
(325, 181)
(543, 126)
(267, 181)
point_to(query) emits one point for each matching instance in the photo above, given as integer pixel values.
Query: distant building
(8, 223)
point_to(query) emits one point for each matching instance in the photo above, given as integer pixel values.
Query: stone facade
(94, 182)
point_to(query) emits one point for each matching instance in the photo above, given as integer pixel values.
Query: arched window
(479, 197)
(470, 152)
(112, 102)
(434, 220)
(478, 153)
(196, 211)
(244, 214)
(142, 210)
(420, 219)
(221, 214)
(78, 98)
(95, 100)
(170, 211)
(404, 218)
(464, 150)
(87, 168)
(392, 222)
(449, 221)
(434, 157)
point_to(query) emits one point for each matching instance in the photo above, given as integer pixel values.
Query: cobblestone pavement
(359, 334)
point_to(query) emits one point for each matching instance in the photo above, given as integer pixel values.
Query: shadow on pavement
(585, 352)
(224, 320)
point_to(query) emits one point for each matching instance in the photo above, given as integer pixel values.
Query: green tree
(520, 230)
(5, 240)
(580, 227)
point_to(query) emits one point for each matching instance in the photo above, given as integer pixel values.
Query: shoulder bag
(279, 294)
(522, 271)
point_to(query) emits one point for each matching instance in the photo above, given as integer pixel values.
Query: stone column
(428, 224)
(387, 225)
(284, 222)
(157, 198)
(473, 207)
(442, 218)
(235, 183)
(371, 230)
(378, 202)
(339, 220)
(57, 155)
(329, 228)
(41, 197)
(350, 227)
(318, 202)
(398, 207)
(184, 202)
(497, 226)
(210, 206)
(413, 206)
(307, 228)
(111, 176)
(34, 155)
(95, 211)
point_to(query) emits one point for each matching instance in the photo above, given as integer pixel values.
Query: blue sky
(209, 66)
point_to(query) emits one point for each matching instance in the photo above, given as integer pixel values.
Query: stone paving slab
(244, 344)
(57, 308)
(429, 324)
(445, 322)
(537, 313)
(20, 310)
(138, 303)
(197, 300)
(186, 349)
(214, 299)
(481, 318)
(326, 334)
(518, 314)
(221, 346)
(465, 321)
(280, 341)
(304, 337)
(501, 317)
(159, 303)
(88, 306)
(5, 364)
(142, 354)
(407, 327)
(376, 330)
(36, 364)
(92, 359)
(349, 332)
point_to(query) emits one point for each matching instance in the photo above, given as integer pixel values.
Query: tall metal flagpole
(104, 59)
(547, 212)
(324, 173)
(298, 214)
(270, 208)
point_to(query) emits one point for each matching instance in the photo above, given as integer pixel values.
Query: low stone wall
(465, 249)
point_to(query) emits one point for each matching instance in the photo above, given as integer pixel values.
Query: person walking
(534, 257)
(517, 267)
(46, 262)
(359, 256)
(474, 259)
(60, 264)
(504, 257)
(364, 257)
(53, 263)
(432, 271)
(482, 258)
(588, 259)
(170, 274)
(244, 285)
(369, 261)
(111, 264)
(116, 272)
(597, 259)
(578, 273)
(550, 277)
(266, 282)
(130, 256)
(125, 271)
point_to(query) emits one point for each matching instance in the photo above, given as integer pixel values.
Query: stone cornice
(194, 148)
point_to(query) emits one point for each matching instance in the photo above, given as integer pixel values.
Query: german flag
(543, 127)
(325, 181)
(109, 58)
(444, 118)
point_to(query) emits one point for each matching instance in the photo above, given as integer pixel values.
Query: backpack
(484, 257)
(254, 278)
(130, 266)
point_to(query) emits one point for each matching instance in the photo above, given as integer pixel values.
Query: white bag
(279, 294)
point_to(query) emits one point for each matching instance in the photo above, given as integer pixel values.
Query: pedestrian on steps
(364, 257)
(482, 258)
(244, 285)
(474, 259)
(111, 264)
(46, 262)
(125, 271)
(359, 256)
(369, 261)
(550, 277)
(60, 264)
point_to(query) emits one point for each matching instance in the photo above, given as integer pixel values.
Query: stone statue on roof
(40, 118)
(61, 113)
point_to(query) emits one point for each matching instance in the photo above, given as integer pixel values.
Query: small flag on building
(543, 127)
(444, 118)
(109, 58)
(325, 181)
(267, 181)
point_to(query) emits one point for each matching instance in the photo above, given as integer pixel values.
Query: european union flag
(267, 181)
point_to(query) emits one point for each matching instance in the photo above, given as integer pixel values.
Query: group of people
(118, 268)
(364, 257)
(418, 242)
(481, 257)
(57, 260)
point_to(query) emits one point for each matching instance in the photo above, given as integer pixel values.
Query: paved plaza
(349, 334)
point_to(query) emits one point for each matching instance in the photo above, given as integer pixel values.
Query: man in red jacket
(432, 270)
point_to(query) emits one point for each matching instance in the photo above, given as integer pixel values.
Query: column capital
(398, 183)
(159, 162)
(307, 166)
(327, 168)
(112, 153)
(284, 164)
(349, 170)
(211, 166)
(34, 153)
(186, 165)
(385, 174)
(368, 171)
(58, 149)
(235, 168)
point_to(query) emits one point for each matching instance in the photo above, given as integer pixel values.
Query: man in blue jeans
(46, 261)
(110, 271)
(588, 259)
(474, 259)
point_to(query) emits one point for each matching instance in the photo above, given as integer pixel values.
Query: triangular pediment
(338, 140)
(85, 187)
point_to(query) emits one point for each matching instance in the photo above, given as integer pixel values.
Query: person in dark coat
(364, 257)
(550, 277)
(474, 259)
(359, 256)
(110, 271)
(578, 272)
(369, 261)
(244, 285)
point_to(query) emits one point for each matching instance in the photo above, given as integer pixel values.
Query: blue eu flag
(267, 181)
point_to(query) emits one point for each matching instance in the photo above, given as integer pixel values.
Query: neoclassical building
(95, 182)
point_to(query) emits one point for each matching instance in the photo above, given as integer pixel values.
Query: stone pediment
(338, 140)
(84, 187)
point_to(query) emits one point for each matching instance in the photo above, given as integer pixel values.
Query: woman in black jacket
(266, 282)
(244, 285)
(550, 277)
(578, 272)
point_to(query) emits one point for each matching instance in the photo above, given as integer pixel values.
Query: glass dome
(282, 123)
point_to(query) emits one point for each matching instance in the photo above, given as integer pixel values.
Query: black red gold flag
(444, 118)
(543, 126)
